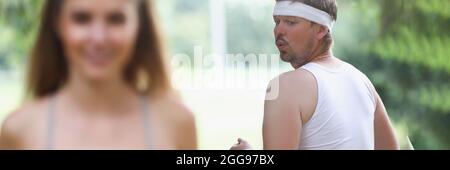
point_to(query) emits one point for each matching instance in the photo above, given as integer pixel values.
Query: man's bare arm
(384, 132)
(282, 116)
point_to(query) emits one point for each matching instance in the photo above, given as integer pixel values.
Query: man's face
(294, 39)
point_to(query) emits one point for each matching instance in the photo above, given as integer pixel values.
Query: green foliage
(18, 24)
(413, 47)
(185, 23)
(250, 30)
(437, 98)
(438, 7)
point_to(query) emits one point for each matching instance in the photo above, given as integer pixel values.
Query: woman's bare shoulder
(179, 117)
(25, 119)
(171, 105)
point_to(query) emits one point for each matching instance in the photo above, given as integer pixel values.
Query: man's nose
(279, 30)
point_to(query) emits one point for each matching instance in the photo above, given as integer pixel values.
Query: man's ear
(321, 31)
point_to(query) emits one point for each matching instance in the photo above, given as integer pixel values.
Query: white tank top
(344, 115)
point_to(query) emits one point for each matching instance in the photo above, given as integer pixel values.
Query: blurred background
(402, 46)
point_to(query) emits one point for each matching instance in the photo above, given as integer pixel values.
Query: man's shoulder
(295, 79)
(355, 70)
(299, 81)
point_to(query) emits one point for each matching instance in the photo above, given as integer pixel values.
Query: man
(325, 103)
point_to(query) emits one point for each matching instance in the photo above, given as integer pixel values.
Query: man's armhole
(371, 89)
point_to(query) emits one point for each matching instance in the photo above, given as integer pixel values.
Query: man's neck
(316, 59)
(329, 61)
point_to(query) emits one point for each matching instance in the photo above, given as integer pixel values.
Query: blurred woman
(97, 80)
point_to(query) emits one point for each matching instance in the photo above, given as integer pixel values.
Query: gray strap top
(145, 111)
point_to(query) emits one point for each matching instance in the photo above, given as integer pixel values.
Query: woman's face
(98, 36)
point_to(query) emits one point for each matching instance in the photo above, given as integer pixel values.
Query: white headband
(298, 9)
